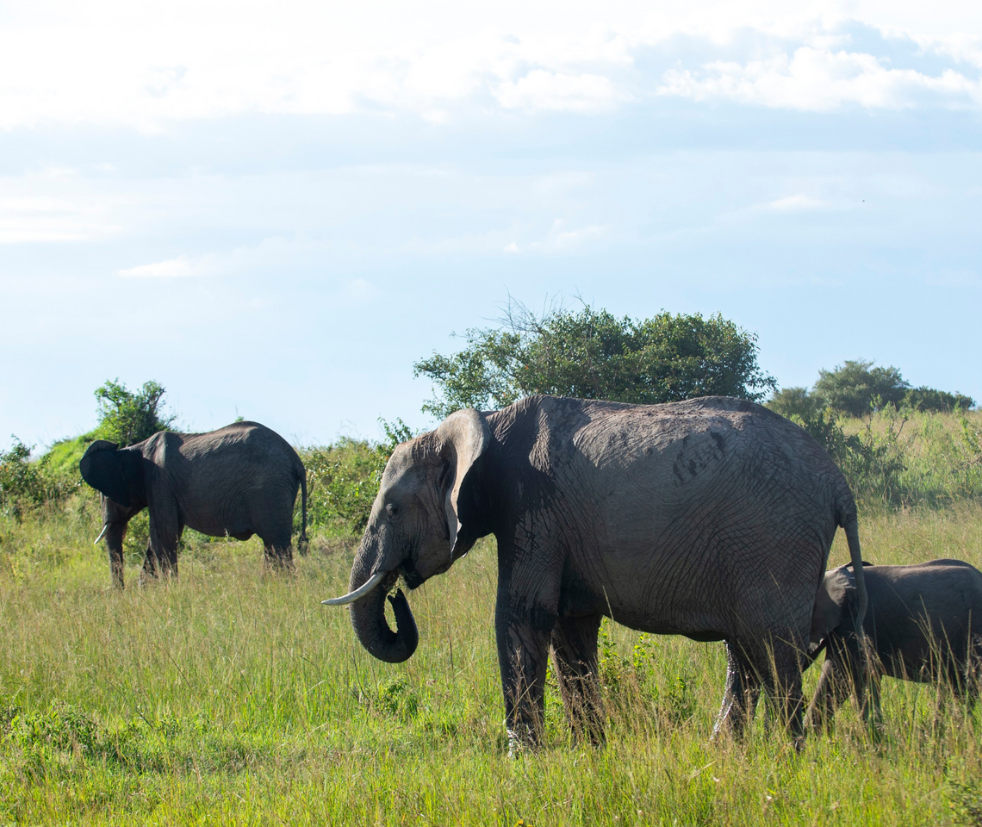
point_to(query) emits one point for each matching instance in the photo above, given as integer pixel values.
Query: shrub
(21, 481)
(29, 483)
(856, 387)
(594, 355)
(343, 478)
(929, 399)
(794, 402)
(126, 417)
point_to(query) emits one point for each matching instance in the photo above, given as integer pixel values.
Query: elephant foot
(522, 741)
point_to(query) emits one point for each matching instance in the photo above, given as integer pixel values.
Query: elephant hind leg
(277, 551)
(740, 695)
(156, 565)
(574, 657)
(166, 528)
(785, 695)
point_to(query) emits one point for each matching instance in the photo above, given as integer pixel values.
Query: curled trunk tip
(368, 619)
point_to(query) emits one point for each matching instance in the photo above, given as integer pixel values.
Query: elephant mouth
(412, 578)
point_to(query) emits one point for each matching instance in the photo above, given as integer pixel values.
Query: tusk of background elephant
(102, 534)
(357, 594)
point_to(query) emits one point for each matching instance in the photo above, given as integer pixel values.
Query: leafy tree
(127, 418)
(857, 387)
(21, 480)
(591, 354)
(343, 478)
(26, 482)
(929, 399)
(795, 402)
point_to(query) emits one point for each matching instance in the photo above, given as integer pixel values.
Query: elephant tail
(852, 538)
(302, 545)
(847, 517)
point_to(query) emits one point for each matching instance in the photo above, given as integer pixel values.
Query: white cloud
(797, 203)
(274, 251)
(174, 268)
(540, 90)
(954, 278)
(360, 291)
(121, 64)
(559, 240)
(35, 219)
(820, 80)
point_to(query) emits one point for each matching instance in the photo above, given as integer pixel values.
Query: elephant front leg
(858, 667)
(827, 697)
(522, 657)
(574, 648)
(115, 535)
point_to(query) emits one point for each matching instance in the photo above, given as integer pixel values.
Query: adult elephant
(710, 518)
(237, 481)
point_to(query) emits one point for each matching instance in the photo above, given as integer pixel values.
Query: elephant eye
(392, 510)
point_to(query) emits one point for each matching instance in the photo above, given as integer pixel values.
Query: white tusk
(359, 593)
(105, 528)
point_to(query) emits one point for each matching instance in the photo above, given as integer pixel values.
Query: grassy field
(232, 696)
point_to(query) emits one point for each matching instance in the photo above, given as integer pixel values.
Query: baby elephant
(924, 623)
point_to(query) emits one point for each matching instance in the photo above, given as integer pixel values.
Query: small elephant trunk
(368, 618)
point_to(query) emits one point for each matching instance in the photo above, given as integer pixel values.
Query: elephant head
(118, 476)
(836, 606)
(116, 473)
(424, 517)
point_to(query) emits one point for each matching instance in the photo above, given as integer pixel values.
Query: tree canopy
(858, 387)
(126, 417)
(591, 354)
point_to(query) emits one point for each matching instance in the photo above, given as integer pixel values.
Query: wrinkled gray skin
(711, 518)
(923, 623)
(237, 481)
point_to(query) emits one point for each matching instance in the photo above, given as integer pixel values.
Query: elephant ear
(102, 467)
(833, 605)
(464, 437)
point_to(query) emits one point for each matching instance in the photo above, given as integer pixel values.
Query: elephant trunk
(368, 615)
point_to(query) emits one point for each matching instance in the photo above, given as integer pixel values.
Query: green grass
(232, 696)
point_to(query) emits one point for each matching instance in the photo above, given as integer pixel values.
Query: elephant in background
(711, 518)
(237, 481)
(923, 623)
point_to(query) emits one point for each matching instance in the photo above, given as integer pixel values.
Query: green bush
(929, 399)
(594, 355)
(343, 479)
(857, 387)
(899, 459)
(794, 402)
(29, 483)
(126, 417)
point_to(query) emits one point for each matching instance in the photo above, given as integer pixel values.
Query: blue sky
(274, 209)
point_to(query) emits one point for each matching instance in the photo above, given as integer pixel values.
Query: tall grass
(903, 459)
(233, 696)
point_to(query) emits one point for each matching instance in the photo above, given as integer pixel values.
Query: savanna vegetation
(232, 696)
